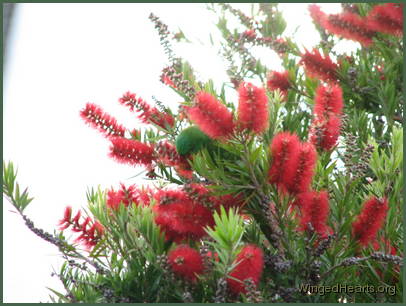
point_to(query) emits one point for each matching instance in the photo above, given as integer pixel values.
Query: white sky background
(60, 57)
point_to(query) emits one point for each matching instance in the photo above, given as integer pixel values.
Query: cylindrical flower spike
(386, 18)
(131, 151)
(318, 67)
(370, 220)
(212, 117)
(317, 14)
(324, 132)
(97, 118)
(186, 262)
(148, 114)
(350, 26)
(279, 80)
(299, 173)
(315, 208)
(329, 99)
(180, 217)
(250, 265)
(284, 149)
(253, 111)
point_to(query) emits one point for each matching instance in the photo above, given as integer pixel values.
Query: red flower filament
(253, 112)
(250, 264)
(299, 173)
(186, 262)
(212, 117)
(386, 18)
(180, 217)
(318, 67)
(131, 152)
(370, 220)
(314, 207)
(89, 236)
(148, 114)
(97, 118)
(284, 149)
(279, 81)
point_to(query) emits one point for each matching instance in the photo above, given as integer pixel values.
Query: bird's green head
(191, 140)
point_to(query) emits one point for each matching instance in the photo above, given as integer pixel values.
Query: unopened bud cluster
(178, 79)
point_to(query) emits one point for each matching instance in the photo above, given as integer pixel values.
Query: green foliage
(12, 189)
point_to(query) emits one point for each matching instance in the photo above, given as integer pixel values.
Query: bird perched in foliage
(191, 140)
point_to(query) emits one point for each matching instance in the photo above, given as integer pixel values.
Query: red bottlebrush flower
(168, 155)
(299, 177)
(329, 99)
(212, 117)
(89, 236)
(66, 221)
(228, 201)
(314, 207)
(318, 67)
(131, 152)
(186, 262)
(317, 15)
(124, 195)
(284, 149)
(97, 118)
(370, 220)
(252, 108)
(279, 80)
(184, 171)
(324, 132)
(249, 35)
(250, 264)
(386, 18)
(180, 217)
(350, 26)
(148, 114)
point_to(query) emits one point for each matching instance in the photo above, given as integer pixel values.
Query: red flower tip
(250, 265)
(317, 15)
(98, 119)
(131, 152)
(89, 236)
(66, 221)
(314, 207)
(284, 149)
(186, 262)
(252, 108)
(212, 117)
(386, 18)
(279, 80)
(329, 99)
(319, 67)
(370, 220)
(249, 34)
(124, 195)
(148, 114)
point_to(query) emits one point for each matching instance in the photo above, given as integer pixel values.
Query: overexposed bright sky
(62, 56)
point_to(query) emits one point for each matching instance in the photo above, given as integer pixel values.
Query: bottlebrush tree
(296, 184)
